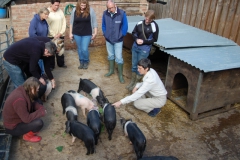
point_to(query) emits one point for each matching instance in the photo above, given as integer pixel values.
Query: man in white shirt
(149, 95)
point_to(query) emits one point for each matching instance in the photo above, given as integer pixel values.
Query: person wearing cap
(149, 95)
(26, 53)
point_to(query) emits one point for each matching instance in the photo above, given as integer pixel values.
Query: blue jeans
(15, 73)
(115, 52)
(41, 65)
(82, 45)
(137, 55)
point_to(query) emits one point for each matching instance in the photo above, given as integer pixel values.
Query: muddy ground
(170, 133)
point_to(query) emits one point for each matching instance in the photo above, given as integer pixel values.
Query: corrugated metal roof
(174, 34)
(209, 59)
(201, 49)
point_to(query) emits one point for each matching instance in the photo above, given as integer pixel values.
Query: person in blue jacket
(39, 27)
(114, 27)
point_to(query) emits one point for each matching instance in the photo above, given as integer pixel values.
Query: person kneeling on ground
(151, 87)
(21, 113)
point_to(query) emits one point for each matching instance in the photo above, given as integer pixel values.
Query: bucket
(3, 13)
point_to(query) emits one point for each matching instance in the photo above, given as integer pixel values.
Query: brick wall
(23, 13)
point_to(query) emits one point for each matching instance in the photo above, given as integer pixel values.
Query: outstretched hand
(117, 104)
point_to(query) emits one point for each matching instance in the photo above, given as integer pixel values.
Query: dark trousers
(60, 59)
(23, 128)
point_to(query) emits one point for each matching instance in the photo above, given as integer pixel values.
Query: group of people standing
(22, 112)
(50, 22)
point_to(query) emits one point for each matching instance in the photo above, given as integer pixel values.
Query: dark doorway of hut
(180, 90)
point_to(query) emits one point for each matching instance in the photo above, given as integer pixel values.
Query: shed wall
(219, 89)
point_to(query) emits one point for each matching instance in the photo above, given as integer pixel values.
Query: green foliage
(59, 148)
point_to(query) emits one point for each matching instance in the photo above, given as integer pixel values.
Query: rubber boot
(111, 68)
(85, 66)
(120, 73)
(138, 79)
(132, 80)
(31, 137)
(81, 66)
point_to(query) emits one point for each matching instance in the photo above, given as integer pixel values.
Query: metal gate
(6, 39)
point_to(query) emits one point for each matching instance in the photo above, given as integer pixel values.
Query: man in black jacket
(26, 52)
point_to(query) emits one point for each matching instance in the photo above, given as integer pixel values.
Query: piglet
(135, 135)
(83, 132)
(109, 118)
(69, 107)
(48, 90)
(89, 87)
(44, 90)
(93, 121)
(81, 101)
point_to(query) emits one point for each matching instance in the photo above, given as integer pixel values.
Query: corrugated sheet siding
(209, 59)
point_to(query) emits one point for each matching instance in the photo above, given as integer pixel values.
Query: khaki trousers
(147, 102)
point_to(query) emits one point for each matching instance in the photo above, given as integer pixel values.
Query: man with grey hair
(26, 52)
(114, 27)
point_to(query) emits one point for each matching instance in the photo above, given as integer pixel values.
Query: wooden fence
(221, 17)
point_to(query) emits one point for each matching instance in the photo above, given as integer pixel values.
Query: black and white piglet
(83, 132)
(135, 135)
(93, 121)
(44, 90)
(69, 107)
(109, 118)
(91, 88)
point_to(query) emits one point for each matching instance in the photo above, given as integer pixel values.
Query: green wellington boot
(120, 73)
(138, 79)
(132, 80)
(111, 68)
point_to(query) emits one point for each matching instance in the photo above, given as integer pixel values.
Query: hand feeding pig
(109, 115)
(93, 121)
(83, 132)
(91, 88)
(82, 101)
(69, 106)
(135, 135)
